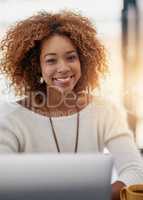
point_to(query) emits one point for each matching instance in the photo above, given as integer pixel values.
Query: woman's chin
(60, 89)
(64, 90)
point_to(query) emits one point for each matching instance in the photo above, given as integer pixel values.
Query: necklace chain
(55, 137)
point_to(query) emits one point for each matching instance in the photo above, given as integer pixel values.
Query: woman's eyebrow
(54, 54)
(73, 51)
(50, 54)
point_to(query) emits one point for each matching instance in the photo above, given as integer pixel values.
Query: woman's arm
(120, 143)
(128, 163)
(8, 141)
(127, 160)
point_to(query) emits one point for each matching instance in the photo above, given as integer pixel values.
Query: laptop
(55, 177)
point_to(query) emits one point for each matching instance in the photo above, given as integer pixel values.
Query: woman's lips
(62, 81)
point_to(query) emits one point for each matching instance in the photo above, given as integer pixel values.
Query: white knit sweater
(101, 125)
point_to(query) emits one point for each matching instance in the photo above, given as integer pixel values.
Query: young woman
(55, 60)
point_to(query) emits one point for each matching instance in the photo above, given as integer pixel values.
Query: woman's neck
(55, 105)
(61, 100)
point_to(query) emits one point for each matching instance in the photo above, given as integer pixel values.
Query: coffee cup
(132, 192)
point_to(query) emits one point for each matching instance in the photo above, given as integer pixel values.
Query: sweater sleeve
(119, 141)
(128, 161)
(8, 139)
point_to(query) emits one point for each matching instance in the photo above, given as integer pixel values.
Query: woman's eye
(51, 61)
(72, 58)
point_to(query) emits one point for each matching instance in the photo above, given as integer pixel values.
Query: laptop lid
(55, 177)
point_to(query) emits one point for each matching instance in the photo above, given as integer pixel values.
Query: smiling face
(60, 63)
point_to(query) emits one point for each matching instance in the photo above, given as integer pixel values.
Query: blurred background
(120, 27)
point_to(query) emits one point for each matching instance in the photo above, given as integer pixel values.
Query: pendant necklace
(55, 136)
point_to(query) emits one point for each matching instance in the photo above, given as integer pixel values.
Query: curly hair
(21, 49)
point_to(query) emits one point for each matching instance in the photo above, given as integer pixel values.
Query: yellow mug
(132, 192)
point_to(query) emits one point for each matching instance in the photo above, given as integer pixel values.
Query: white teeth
(63, 79)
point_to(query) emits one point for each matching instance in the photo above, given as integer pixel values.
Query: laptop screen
(55, 177)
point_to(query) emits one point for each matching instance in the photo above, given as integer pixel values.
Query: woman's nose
(63, 67)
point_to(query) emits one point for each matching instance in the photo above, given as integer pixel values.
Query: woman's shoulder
(11, 110)
(106, 106)
(8, 108)
(8, 114)
(101, 102)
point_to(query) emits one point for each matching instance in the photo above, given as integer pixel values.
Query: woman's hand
(116, 188)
